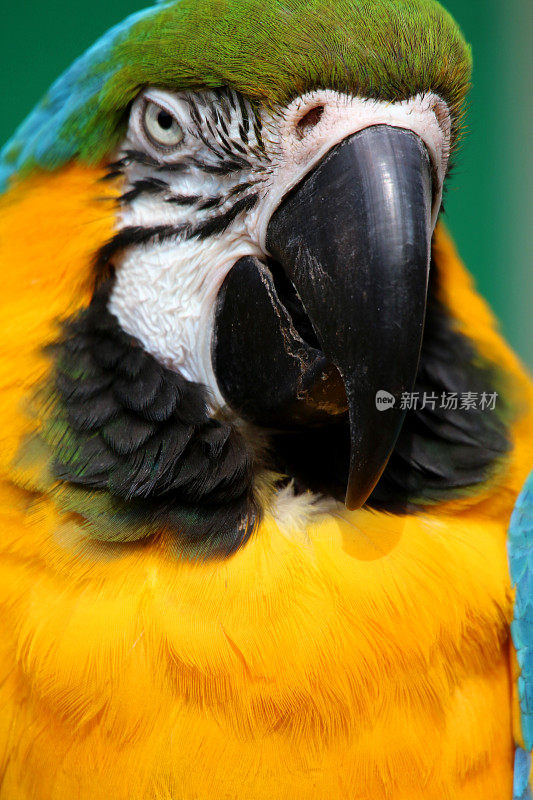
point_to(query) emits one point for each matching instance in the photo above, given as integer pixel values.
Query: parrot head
(271, 290)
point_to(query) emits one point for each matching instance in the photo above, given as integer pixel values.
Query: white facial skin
(184, 150)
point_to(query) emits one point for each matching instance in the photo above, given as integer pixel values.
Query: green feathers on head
(269, 50)
(273, 50)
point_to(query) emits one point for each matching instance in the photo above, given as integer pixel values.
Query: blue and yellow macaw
(261, 440)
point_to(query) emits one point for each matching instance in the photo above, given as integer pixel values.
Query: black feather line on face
(226, 166)
(240, 188)
(151, 186)
(195, 114)
(138, 157)
(236, 146)
(143, 434)
(244, 128)
(210, 146)
(218, 224)
(218, 127)
(221, 122)
(234, 164)
(183, 199)
(136, 236)
(132, 236)
(224, 97)
(210, 202)
(229, 146)
(258, 131)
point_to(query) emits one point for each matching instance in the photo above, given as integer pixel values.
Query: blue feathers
(522, 771)
(520, 547)
(39, 139)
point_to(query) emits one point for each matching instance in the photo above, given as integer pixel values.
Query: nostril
(308, 121)
(440, 110)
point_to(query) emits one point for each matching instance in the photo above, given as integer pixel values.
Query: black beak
(340, 317)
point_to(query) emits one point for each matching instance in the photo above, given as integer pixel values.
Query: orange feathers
(365, 656)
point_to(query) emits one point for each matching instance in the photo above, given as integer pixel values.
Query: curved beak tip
(354, 240)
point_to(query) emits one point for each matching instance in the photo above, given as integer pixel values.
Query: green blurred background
(489, 204)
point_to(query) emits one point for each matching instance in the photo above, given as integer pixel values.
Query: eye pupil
(161, 126)
(165, 120)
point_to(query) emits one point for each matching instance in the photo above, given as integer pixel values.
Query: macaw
(261, 438)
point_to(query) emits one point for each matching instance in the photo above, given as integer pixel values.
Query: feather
(83, 114)
(148, 436)
(334, 655)
(520, 548)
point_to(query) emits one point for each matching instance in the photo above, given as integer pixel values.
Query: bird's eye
(161, 127)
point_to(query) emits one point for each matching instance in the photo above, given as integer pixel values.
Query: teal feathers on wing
(520, 547)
